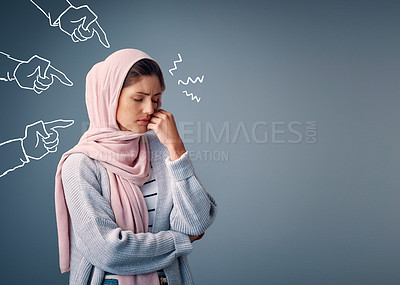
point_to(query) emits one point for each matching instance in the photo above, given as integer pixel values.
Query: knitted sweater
(98, 245)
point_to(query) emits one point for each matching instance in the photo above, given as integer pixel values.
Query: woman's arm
(99, 238)
(194, 209)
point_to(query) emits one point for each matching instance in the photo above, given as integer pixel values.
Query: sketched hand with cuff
(80, 23)
(35, 74)
(40, 139)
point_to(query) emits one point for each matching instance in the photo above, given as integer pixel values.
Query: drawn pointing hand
(80, 23)
(37, 74)
(42, 138)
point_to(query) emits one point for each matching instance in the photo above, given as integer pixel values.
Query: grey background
(289, 213)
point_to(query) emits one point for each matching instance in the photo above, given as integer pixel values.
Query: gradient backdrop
(296, 134)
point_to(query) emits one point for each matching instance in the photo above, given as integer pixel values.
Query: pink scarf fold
(124, 154)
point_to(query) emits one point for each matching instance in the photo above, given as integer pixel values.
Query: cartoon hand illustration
(37, 74)
(42, 138)
(80, 23)
(39, 140)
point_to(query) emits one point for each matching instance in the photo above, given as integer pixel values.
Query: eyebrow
(143, 93)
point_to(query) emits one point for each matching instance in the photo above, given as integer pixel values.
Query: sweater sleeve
(99, 238)
(194, 209)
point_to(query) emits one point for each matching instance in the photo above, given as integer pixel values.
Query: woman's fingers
(200, 236)
(159, 115)
(163, 114)
(163, 111)
(193, 238)
(151, 126)
(155, 119)
(163, 123)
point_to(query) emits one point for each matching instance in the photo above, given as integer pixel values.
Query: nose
(148, 107)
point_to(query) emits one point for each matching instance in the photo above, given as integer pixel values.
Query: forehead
(146, 84)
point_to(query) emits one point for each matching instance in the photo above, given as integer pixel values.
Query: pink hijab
(124, 154)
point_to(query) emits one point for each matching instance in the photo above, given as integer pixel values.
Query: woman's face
(137, 103)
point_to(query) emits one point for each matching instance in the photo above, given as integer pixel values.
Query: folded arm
(194, 209)
(99, 238)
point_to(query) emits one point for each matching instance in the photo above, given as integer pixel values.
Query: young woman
(128, 202)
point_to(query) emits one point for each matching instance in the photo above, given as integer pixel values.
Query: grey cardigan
(98, 245)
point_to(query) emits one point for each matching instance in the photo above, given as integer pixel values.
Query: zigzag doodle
(191, 80)
(193, 96)
(175, 62)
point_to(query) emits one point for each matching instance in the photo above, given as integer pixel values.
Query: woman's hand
(163, 124)
(193, 238)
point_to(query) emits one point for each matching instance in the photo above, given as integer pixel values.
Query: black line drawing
(80, 23)
(39, 140)
(35, 74)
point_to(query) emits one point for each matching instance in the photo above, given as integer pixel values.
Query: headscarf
(124, 154)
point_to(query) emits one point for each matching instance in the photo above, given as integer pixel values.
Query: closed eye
(140, 100)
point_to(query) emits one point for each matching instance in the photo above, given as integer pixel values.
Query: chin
(140, 130)
(136, 128)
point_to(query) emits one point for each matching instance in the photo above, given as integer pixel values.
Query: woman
(110, 232)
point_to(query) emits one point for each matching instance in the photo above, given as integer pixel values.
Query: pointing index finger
(60, 123)
(60, 76)
(100, 34)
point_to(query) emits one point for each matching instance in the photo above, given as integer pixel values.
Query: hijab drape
(124, 154)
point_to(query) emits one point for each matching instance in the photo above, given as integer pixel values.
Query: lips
(144, 121)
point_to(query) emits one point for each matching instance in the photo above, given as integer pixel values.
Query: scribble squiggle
(191, 95)
(198, 79)
(175, 62)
